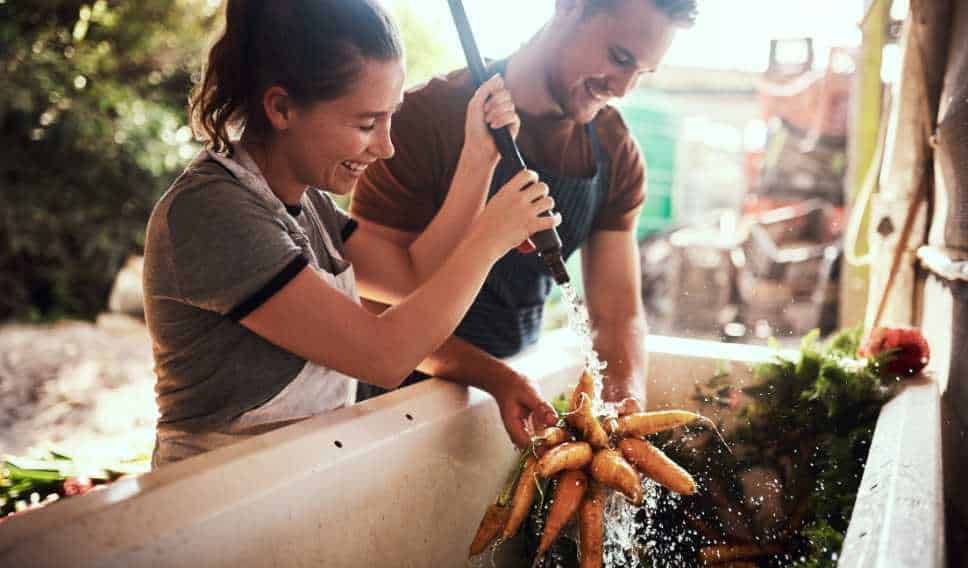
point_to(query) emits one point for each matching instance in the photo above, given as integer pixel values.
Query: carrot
(568, 495)
(610, 468)
(641, 424)
(523, 497)
(654, 463)
(551, 437)
(570, 455)
(496, 515)
(494, 520)
(717, 553)
(591, 523)
(581, 416)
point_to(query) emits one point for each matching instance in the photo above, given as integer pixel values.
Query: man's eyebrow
(380, 113)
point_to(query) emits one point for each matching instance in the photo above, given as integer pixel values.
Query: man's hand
(522, 409)
(629, 400)
(518, 397)
(613, 285)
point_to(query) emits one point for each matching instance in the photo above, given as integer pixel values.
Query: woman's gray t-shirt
(214, 252)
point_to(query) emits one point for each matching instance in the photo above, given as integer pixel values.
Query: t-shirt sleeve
(230, 250)
(627, 185)
(402, 192)
(336, 222)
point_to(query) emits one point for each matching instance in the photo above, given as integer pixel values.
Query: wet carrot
(718, 553)
(581, 416)
(610, 468)
(655, 464)
(591, 524)
(570, 455)
(551, 437)
(641, 424)
(496, 515)
(523, 497)
(567, 499)
(494, 520)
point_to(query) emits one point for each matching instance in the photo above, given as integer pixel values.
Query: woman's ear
(278, 107)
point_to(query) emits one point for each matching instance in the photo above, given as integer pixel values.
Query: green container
(656, 126)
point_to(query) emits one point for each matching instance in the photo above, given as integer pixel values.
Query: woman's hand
(514, 213)
(491, 106)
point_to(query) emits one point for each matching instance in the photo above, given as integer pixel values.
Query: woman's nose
(383, 145)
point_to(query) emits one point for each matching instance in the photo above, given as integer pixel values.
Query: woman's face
(331, 143)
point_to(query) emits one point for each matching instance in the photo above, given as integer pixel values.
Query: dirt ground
(82, 389)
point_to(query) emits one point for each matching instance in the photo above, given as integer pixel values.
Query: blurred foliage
(92, 119)
(428, 53)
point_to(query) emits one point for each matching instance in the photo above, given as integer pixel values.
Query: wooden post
(863, 130)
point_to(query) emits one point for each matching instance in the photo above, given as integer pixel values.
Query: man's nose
(620, 85)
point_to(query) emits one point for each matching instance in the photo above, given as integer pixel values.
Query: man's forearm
(621, 344)
(461, 362)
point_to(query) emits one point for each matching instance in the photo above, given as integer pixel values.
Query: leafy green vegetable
(808, 423)
(27, 482)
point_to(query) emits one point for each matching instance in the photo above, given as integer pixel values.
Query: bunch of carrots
(583, 457)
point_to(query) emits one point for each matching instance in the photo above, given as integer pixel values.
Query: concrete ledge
(898, 519)
(401, 480)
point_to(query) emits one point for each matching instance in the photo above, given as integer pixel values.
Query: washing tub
(403, 479)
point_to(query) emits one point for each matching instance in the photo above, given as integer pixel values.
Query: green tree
(93, 126)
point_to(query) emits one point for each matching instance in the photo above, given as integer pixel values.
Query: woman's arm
(312, 319)
(406, 261)
(491, 107)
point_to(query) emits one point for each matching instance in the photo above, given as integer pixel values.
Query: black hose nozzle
(547, 242)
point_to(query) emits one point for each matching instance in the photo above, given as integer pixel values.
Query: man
(590, 52)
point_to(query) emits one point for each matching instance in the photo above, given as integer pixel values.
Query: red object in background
(912, 355)
(77, 486)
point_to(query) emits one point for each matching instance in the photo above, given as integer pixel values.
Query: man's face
(602, 57)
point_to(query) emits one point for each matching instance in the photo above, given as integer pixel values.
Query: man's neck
(526, 77)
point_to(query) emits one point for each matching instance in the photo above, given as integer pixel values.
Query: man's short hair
(681, 12)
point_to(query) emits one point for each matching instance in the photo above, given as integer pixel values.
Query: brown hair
(681, 12)
(314, 49)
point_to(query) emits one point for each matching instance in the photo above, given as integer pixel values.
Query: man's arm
(463, 363)
(517, 396)
(613, 288)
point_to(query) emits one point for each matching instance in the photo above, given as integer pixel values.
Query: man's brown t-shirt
(406, 191)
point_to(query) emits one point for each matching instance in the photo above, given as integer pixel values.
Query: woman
(250, 269)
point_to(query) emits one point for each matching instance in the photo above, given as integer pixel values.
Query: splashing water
(623, 523)
(580, 325)
(623, 520)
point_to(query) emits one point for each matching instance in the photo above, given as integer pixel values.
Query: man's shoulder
(617, 140)
(442, 92)
(611, 127)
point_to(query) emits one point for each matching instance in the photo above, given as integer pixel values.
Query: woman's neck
(274, 169)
